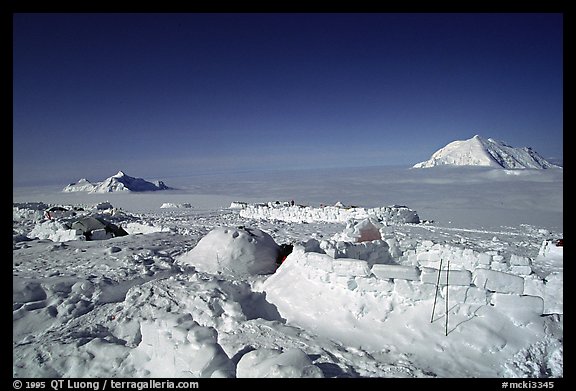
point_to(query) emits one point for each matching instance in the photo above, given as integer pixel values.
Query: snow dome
(239, 252)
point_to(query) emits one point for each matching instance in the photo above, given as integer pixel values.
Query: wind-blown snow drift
(478, 151)
(119, 182)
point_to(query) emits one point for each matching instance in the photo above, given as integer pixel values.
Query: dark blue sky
(162, 94)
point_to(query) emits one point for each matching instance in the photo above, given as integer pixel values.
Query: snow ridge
(119, 182)
(479, 151)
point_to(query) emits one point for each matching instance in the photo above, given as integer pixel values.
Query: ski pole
(436, 295)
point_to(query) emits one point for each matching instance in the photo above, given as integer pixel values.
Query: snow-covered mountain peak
(119, 182)
(478, 151)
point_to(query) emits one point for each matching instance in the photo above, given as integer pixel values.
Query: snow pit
(274, 363)
(238, 252)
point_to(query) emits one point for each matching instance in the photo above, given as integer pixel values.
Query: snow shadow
(256, 306)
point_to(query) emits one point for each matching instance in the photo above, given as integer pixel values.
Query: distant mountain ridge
(479, 151)
(116, 183)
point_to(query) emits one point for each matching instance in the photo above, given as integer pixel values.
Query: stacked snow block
(465, 294)
(332, 214)
(500, 282)
(401, 272)
(347, 272)
(375, 251)
(452, 277)
(350, 267)
(553, 293)
(414, 290)
(474, 278)
(520, 265)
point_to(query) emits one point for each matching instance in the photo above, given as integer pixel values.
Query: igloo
(238, 252)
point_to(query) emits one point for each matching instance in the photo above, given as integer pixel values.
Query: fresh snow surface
(119, 182)
(197, 292)
(479, 151)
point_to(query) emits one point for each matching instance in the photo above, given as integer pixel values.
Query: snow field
(142, 306)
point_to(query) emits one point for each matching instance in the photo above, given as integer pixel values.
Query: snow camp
(255, 199)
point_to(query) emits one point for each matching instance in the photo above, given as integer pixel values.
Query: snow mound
(331, 214)
(177, 346)
(238, 205)
(237, 252)
(478, 151)
(168, 205)
(116, 183)
(55, 231)
(85, 227)
(273, 363)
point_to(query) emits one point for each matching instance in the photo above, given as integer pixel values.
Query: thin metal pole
(436, 295)
(447, 272)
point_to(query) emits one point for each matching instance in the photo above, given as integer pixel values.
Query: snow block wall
(376, 251)
(486, 271)
(331, 214)
(316, 275)
(497, 281)
(445, 277)
(396, 272)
